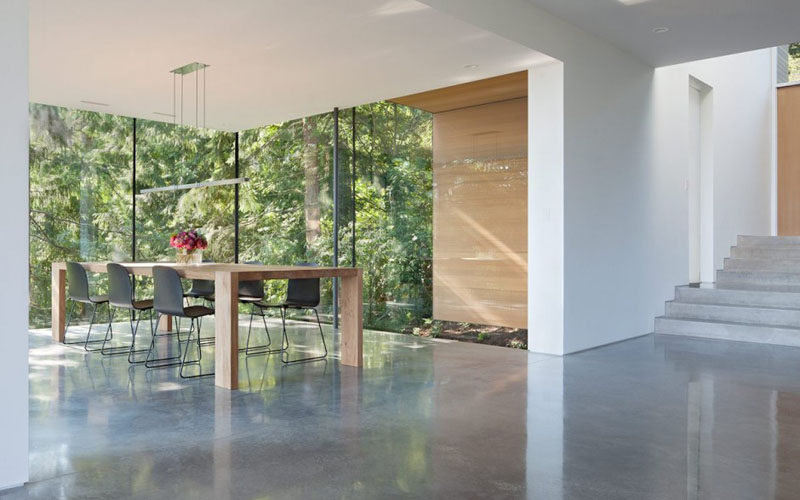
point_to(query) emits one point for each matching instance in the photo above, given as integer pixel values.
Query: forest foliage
(82, 202)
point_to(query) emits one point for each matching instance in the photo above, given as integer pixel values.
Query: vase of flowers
(189, 246)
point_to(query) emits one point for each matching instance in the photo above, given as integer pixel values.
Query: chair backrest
(78, 282)
(120, 291)
(305, 291)
(168, 292)
(252, 288)
(203, 287)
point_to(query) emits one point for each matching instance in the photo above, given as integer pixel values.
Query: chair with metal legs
(78, 291)
(121, 296)
(300, 294)
(201, 289)
(251, 292)
(169, 300)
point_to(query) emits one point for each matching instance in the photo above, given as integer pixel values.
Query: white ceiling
(698, 29)
(270, 60)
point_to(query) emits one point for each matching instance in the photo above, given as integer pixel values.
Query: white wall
(625, 221)
(607, 247)
(546, 196)
(14, 250)
(741, 122)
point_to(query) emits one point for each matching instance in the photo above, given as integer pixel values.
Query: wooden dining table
(226, 279)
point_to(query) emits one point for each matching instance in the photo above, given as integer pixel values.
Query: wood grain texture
(209, 270)
(480, 218)
(789, 161)
(226, 332)
(352, 306)
(58, 299)
(164, 323)
(495, 89)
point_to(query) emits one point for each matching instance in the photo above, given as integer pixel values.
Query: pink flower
(188, 241)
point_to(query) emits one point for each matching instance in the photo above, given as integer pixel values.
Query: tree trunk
(311, 170)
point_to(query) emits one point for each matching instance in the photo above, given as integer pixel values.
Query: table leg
(226, 329)
(352, 335)
(58, 302)
(165, 323)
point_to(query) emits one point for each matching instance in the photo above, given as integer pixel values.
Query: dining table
(226, 279)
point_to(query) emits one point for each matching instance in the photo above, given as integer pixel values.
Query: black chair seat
(197, 311)
(197, 295)
(143, 304)
(242, 298)
(287, 304)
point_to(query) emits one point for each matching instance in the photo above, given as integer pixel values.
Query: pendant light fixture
(197, 68)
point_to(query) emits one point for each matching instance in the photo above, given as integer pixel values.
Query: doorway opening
(700, 183)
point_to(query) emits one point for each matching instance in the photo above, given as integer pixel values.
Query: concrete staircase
(756, 297)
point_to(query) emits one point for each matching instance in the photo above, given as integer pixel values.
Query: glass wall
(80, 193)
(81, 170)
(393, 212)
(788, 63)
(286, 207)
(168, 155)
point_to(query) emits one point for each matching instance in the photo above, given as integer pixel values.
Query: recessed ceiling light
(471, 66)
(94, 103)
(660, 30)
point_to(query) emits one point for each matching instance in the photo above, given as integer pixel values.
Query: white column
(546, 208)
(14, 249)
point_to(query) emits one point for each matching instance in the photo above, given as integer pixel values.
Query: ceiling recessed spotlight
(471, 66)
(94, 103)
(660, 30)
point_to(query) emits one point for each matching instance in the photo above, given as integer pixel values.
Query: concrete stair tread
(729, 331)
(739, 287)
(734, 306)
(756, 297)
(765, 272)
(756, 287)
(732, 323)
(750, 240)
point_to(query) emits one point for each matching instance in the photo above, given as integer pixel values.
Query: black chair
(201, 289)
(169, 300)
(252, 292)
(78, 291)
(121, 295)
(300, 294)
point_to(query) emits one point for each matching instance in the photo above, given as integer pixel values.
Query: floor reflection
(654, 417)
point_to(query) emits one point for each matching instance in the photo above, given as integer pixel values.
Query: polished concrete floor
(653, 417)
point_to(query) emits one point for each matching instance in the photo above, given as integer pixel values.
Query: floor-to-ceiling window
(80, 193)
(171, 155)
(393, 212)
(286, 206)
(82, 208)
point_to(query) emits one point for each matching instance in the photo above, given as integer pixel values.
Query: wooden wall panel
(495, 89)
(480, 220)
(789, 161)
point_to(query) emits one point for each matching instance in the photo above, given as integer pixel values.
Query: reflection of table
(226, 279)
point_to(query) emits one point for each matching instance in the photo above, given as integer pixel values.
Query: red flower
(188, 240)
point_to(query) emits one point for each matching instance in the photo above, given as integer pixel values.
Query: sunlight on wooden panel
(480, 214)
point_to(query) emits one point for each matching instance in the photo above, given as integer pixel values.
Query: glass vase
(193, 257)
